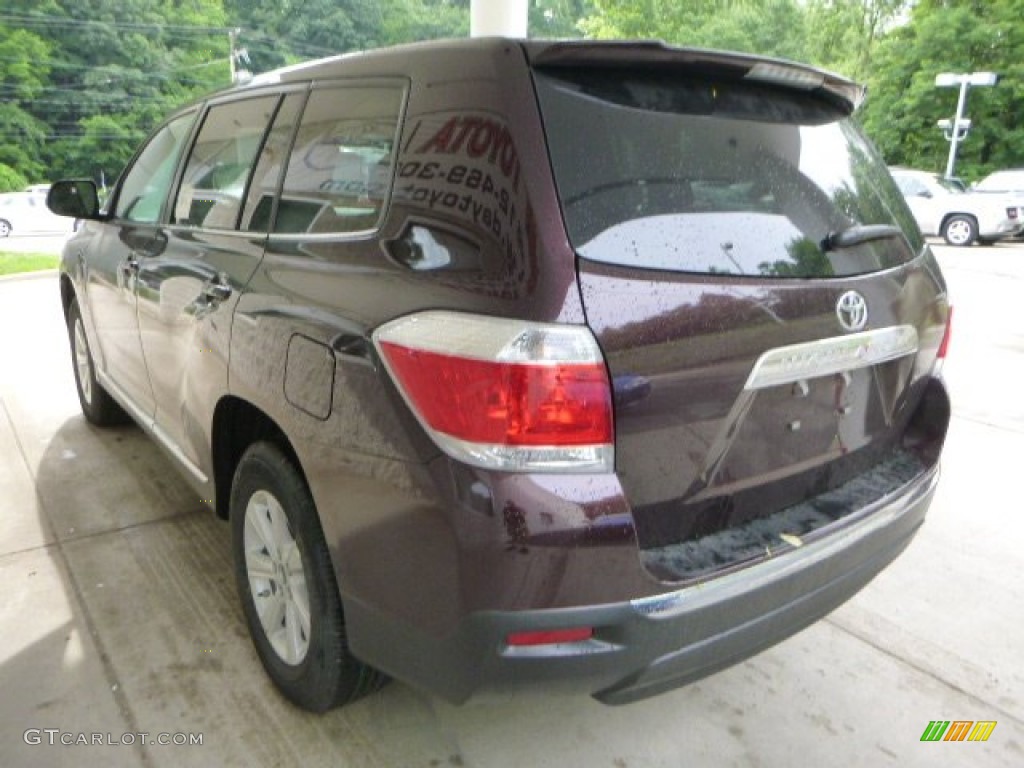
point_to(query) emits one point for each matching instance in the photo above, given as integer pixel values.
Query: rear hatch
(768, 311)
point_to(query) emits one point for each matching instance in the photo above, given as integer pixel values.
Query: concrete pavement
(120, 614)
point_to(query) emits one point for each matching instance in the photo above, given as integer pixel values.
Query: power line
(42, 19)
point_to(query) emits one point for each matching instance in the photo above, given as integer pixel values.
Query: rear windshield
(734, 177)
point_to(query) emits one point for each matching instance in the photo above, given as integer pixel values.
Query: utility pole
(232, 41)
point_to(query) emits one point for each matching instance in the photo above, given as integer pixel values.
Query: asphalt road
(119, 614)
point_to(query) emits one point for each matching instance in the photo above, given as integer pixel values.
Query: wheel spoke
(277, 581)
(82, 362)
(259, 566)
(271, 610)
(298, 639)
(279, 527)
(260, 514)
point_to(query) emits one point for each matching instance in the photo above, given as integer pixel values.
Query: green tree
(558, 18)
(769, 27)
(406, 21)
(843, 34)
(128, 60)
(24, 71)
(10, 179)
(903, 103)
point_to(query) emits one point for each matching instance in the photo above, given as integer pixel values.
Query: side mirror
(76, 198)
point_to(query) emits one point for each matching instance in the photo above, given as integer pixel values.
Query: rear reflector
(504, 394)
(551, 636)
(944, 346)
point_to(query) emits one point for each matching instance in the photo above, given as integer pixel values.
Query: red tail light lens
(944, 346)
(504, 394)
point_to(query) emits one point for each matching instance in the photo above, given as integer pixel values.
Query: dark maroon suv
(511, 361)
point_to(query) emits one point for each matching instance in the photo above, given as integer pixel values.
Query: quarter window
(148, 181)
(221, 160)
(339, 171)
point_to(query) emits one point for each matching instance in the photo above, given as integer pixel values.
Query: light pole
(960, 126)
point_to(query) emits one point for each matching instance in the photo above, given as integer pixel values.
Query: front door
(130, 236)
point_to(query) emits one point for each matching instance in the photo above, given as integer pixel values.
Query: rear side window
(259, 204)
(340, 168)
(733, 177)
(221, 160)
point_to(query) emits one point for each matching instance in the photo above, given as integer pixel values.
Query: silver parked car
(962, 218)
(25, 213)
(1010, 181)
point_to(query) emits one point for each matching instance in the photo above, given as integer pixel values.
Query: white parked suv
(25, 213)
(962, 218)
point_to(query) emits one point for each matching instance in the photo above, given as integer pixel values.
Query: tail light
(504, 394)
(1011, 213)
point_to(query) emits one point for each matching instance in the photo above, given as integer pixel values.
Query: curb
(37, 274)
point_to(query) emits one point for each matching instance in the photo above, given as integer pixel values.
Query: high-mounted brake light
(504, 394)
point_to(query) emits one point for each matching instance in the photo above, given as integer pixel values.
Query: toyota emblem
(852, 311)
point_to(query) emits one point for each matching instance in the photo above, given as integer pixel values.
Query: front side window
(339, 171)
(145, 186)
(220, 163)
(693, 174)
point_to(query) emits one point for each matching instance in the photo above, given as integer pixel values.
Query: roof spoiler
(655, 54)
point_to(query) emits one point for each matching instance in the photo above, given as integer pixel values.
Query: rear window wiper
(857, 234)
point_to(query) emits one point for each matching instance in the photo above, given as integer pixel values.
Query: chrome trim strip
(148, 423)
(787, 365)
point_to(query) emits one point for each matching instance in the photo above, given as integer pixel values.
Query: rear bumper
(649, 645)
(1004, 228)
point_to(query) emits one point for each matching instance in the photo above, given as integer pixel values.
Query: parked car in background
(1010, 181)
(25, 213)
(957, 183)
(488, 399)
(962, 218)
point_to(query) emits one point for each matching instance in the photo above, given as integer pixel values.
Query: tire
(5, 228)
(287, 585)
(98, 406)
(960, 230)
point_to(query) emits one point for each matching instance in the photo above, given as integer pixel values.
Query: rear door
(188, 282)
(765, 304)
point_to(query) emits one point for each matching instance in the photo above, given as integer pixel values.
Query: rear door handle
(217, 290)
(130, 266)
